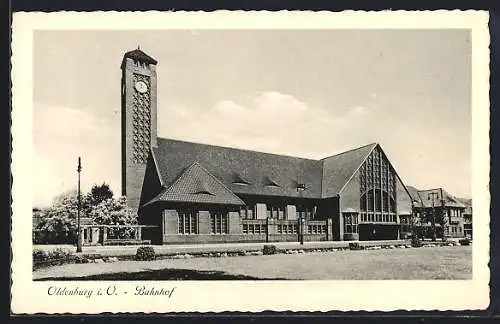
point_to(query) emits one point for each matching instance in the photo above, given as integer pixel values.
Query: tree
(99, 193)
(114, 212)
(58, 222)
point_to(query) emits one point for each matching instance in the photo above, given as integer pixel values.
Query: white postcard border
(215, 296)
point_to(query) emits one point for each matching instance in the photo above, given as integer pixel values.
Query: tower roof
(138, 55)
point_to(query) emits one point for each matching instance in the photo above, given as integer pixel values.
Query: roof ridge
(359, 166)
(238, 149)
(348, 151)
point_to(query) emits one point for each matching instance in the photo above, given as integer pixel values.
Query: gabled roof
(256, 173)
(338, 169)
(229, 164)
(424, 197)
(197, 185)
(413, 192)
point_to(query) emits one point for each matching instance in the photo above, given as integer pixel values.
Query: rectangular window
(250, 228)
(281, 212)
(246, 212)
(350, 224)
(188, 222)
(309, 229)
(218, 220)
(245, 228)
(294, 229)
(279, 229)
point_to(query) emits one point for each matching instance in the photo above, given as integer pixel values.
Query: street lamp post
(432, 196)
(302, 222)
(444, 218)
(79, 239)
(300, 188)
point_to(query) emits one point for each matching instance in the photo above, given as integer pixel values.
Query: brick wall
(291, 212)
(350, 196)
(260, 210)
(234, 226)
(133, 173)
(403, 203)
(170, 222)
(204, 226)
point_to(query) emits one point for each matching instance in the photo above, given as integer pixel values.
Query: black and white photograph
(240, 155)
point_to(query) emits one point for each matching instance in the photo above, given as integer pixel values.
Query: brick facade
(133, 172)
(150, 167)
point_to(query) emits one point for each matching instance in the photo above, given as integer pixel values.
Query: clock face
(141, 86)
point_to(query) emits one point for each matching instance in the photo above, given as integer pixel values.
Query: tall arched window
(377, 182)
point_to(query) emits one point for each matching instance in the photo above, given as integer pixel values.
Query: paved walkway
(408, 264)
(130, 250)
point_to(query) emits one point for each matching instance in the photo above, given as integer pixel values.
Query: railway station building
(199, 193)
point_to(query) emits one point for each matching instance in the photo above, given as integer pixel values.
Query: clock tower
(138, 119)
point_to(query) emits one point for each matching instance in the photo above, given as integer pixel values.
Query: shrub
(464, 241)
(415, 242)
(145, 253)
(269, 249)
(349, 237)
(355, 246)
(58, 256)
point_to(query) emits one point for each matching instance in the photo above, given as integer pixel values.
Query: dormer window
(202, 188)
(269, 182)
(238, 179)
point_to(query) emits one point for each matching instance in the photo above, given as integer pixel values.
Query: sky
(306, 93)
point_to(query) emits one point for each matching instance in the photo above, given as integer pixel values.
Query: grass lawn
(414, 263)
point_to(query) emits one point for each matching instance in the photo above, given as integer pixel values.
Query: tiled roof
(338, 169)
(138, 55)
(197, 185)
(468, 205)
(423, 196)
(242, 171)
(257, 173)
(414, 194)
